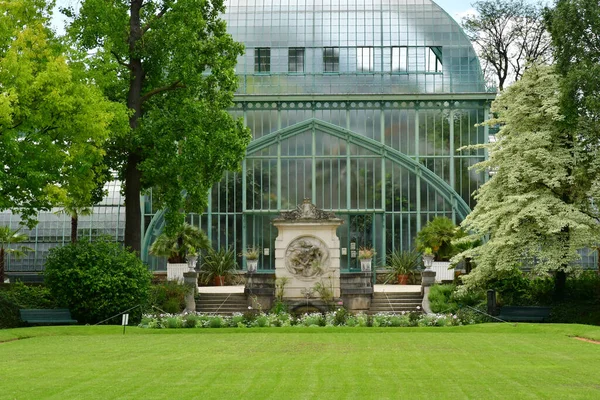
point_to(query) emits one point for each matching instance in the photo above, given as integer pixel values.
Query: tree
(53, 121)
(508, 34)
(574, 26)
(9, 237)
(536, 209)
(172, 64)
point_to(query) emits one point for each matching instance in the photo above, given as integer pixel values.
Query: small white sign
(266, 251)
(353, 246)
(344, 251)
(125, 320)
(353, 254)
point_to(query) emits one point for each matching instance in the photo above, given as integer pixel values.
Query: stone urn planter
(365, 255)
(252, 254)
(252, 265)
(365, 264)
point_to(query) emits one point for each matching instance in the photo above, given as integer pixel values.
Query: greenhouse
(360, 106)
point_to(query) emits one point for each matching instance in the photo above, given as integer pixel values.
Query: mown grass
(489, 361)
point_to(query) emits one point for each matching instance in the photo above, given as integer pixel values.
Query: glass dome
(351, 46)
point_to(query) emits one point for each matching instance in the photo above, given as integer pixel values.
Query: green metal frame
(460, 209)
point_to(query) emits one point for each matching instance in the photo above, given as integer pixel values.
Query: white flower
(249, 307)
(418, 307)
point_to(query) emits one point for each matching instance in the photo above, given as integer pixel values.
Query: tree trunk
(560, 285)
(74, 223)
(133, 210)
(133, 177)
(1, 265)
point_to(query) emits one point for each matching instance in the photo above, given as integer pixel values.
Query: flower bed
(339, 317)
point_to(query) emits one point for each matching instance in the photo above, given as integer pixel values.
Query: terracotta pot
(403, 279)
(219, 281)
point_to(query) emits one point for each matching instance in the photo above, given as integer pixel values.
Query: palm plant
(402, 263)
(217, 263)
(438, 235)
(187, 240)
(9, 237)
(75, 212)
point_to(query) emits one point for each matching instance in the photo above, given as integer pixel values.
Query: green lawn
(491, 361)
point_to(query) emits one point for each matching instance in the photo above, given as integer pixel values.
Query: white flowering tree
(537, 208)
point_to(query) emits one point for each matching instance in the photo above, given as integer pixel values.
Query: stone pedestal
(307, 252)
(260, 290)
(191, 280)
(428, 277)
(357, 291)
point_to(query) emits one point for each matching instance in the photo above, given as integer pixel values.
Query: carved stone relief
(307, 257)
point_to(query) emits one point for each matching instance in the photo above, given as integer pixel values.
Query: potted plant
(217, 265)
(252, 255)
(365, 255)
(401, 264)
(185, 242)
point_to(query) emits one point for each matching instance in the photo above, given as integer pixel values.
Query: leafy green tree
(53, 121)
(172, 64)
(536, 209)
(575, 26)
(9, 237)
(508, 34)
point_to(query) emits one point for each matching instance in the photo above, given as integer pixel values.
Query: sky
(456, 8)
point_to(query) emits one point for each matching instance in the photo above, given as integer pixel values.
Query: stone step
(217, 302)
(224, 308)
(393, 310)
(398, 298)
(223, 313)
(396, 295)
(395, 306)
(220, 310)
(395, 301)
(223, 295)
(222, 303)
(412, 304)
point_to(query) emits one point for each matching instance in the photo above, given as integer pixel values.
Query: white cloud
(462, 14)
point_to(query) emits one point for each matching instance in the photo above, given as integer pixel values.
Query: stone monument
(307, 251)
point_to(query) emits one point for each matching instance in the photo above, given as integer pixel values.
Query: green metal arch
(439, 185)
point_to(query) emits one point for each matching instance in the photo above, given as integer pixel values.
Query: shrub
(279, 307)
(168, 296)
(9, 311)
(17, 296)
(97, 280)
(439, 298)
(512, 286)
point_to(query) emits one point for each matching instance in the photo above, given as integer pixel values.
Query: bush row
(18, 295)
(581, 303)
(339, 317)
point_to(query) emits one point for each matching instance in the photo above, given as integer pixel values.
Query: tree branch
(156, 18)
(119, 60)
(174, 86)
